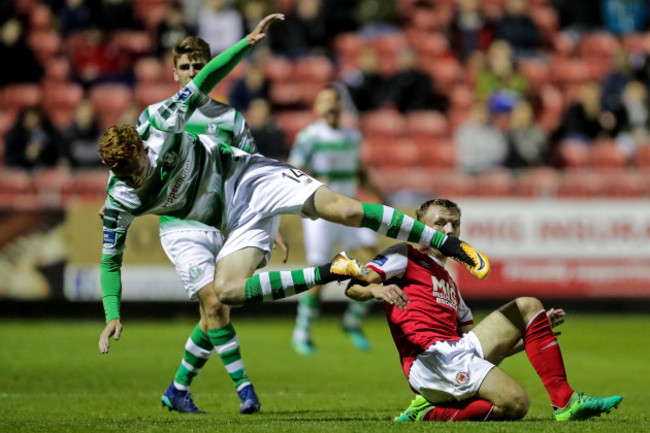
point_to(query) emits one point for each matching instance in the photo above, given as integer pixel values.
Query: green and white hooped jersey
(186, 178)
(217, 120)
(332, 155)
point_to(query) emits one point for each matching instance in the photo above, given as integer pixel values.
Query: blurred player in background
(448, 362)
(193, 247)
(332, 154)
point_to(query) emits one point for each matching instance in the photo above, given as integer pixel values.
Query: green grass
(53, 379)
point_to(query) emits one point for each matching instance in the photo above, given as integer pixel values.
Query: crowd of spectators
(514, 78)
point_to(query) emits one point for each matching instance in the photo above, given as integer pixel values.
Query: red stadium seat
(151, 12)
(383, 123)
(539, 182)
(65, 95)
(316, 69)
(446, 72)
(87, 185)
(110, 100)
(450, 183)
(499, 183)
(427, 124)
(287, 95)
(7, 121)
(642, 157)
(150, 70)
(395, 153)
(605, 154)
(292, 121)
(278, 69)
(134, 41)
(149, 93)
(438, 153)
(625, 184)
(50, 183)
(574, 154)
(18, 96)
(581, 184)
(17, 188)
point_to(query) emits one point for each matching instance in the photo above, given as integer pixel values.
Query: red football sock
(467, 410)
(544, 354)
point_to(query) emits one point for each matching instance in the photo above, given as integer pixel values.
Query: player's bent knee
(529, 305)
(514, 408)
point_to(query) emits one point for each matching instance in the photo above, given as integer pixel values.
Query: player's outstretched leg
(582, 407)
(394, 224)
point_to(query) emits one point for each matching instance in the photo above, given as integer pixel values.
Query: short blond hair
(194, 47)
(119, 146)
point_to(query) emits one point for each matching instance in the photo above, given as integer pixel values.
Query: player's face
(328, 104)
(134, 174)
(444, 220)
(187, 68)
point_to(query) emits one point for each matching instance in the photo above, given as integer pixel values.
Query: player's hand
(259, 33)
(556, 317)
(101, 211)
(113, 329)
(279, 241)
(390, 293)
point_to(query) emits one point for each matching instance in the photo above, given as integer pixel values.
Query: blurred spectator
(13, 49)
(469, 30)
(365, 85)
(171, 30)
(500, 73)
(578, 16)
(130, 115)
(303, 31)
(339, 17)
(518, 29)
(625, 16)
(479, 145)
(99, 60)
(7, 10)
(75, 16)
(115, 15)
(410, 89)
(192, 11)
(633, 117)
(268, 136)
(376, 17)
(82, 136)
(252, 85)
(584, 119)
(220, 25)
(253, 11)
(615, 81)
(527, 143)
(33, 142)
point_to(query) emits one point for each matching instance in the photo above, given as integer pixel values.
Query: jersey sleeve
(242, 137)
(301, 153)
(144, 118)
(391, 263)
(465, 316)
(116, 222)
(175, 112)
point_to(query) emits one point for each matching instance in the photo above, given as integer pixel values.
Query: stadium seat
(19, 96)
(450, 184)
(18, 188)
(278, 69)
(625, 184)
(287, 95)
(292, 121)
(150, 70)
(393, 180)
(86, 185)
(427, 124)
(383, 123)
(50, 183)
(136, 42)
(395, 153)
(66, 94)
(642, 157)
(316, 69)
(151, 12)
(149, 93)
(538, 182)
(446, 72)
(110, 100)
(605, 154)
(581, 184)
(574, 153)
(498, 183)
(438, 153)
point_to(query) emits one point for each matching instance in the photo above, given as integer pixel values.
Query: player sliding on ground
(160, 169)
(448, 362)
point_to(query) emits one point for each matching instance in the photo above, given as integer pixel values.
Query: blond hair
(195, 48)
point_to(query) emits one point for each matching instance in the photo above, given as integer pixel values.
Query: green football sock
(198, 349)
(308, 310)
(274, 285)
(354, 313)
(396, 225)
(226, 344)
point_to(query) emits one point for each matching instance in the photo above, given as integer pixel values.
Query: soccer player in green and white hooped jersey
(160, 169)
(193, 246)
(332, 154)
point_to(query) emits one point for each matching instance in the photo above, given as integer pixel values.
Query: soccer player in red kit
(449, 363)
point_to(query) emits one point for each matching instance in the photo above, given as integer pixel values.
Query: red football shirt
(436, 309)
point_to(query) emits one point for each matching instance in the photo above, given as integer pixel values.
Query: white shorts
(266, 189)
(194, 252)
(322, 237)
(450, 370)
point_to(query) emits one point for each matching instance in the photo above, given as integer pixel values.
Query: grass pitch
(53, 379)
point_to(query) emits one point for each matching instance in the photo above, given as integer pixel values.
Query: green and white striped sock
(394, 224)
(198, 349)
(226, 344)
(308, 310)
(354, 313)
(274, 285)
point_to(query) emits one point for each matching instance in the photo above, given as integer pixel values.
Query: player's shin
(544, 353)
(226, 344)
(198, 349)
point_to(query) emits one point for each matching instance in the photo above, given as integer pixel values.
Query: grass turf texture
(53, 379)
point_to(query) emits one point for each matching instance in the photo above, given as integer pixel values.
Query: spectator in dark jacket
(517, 28)
(25, 68)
